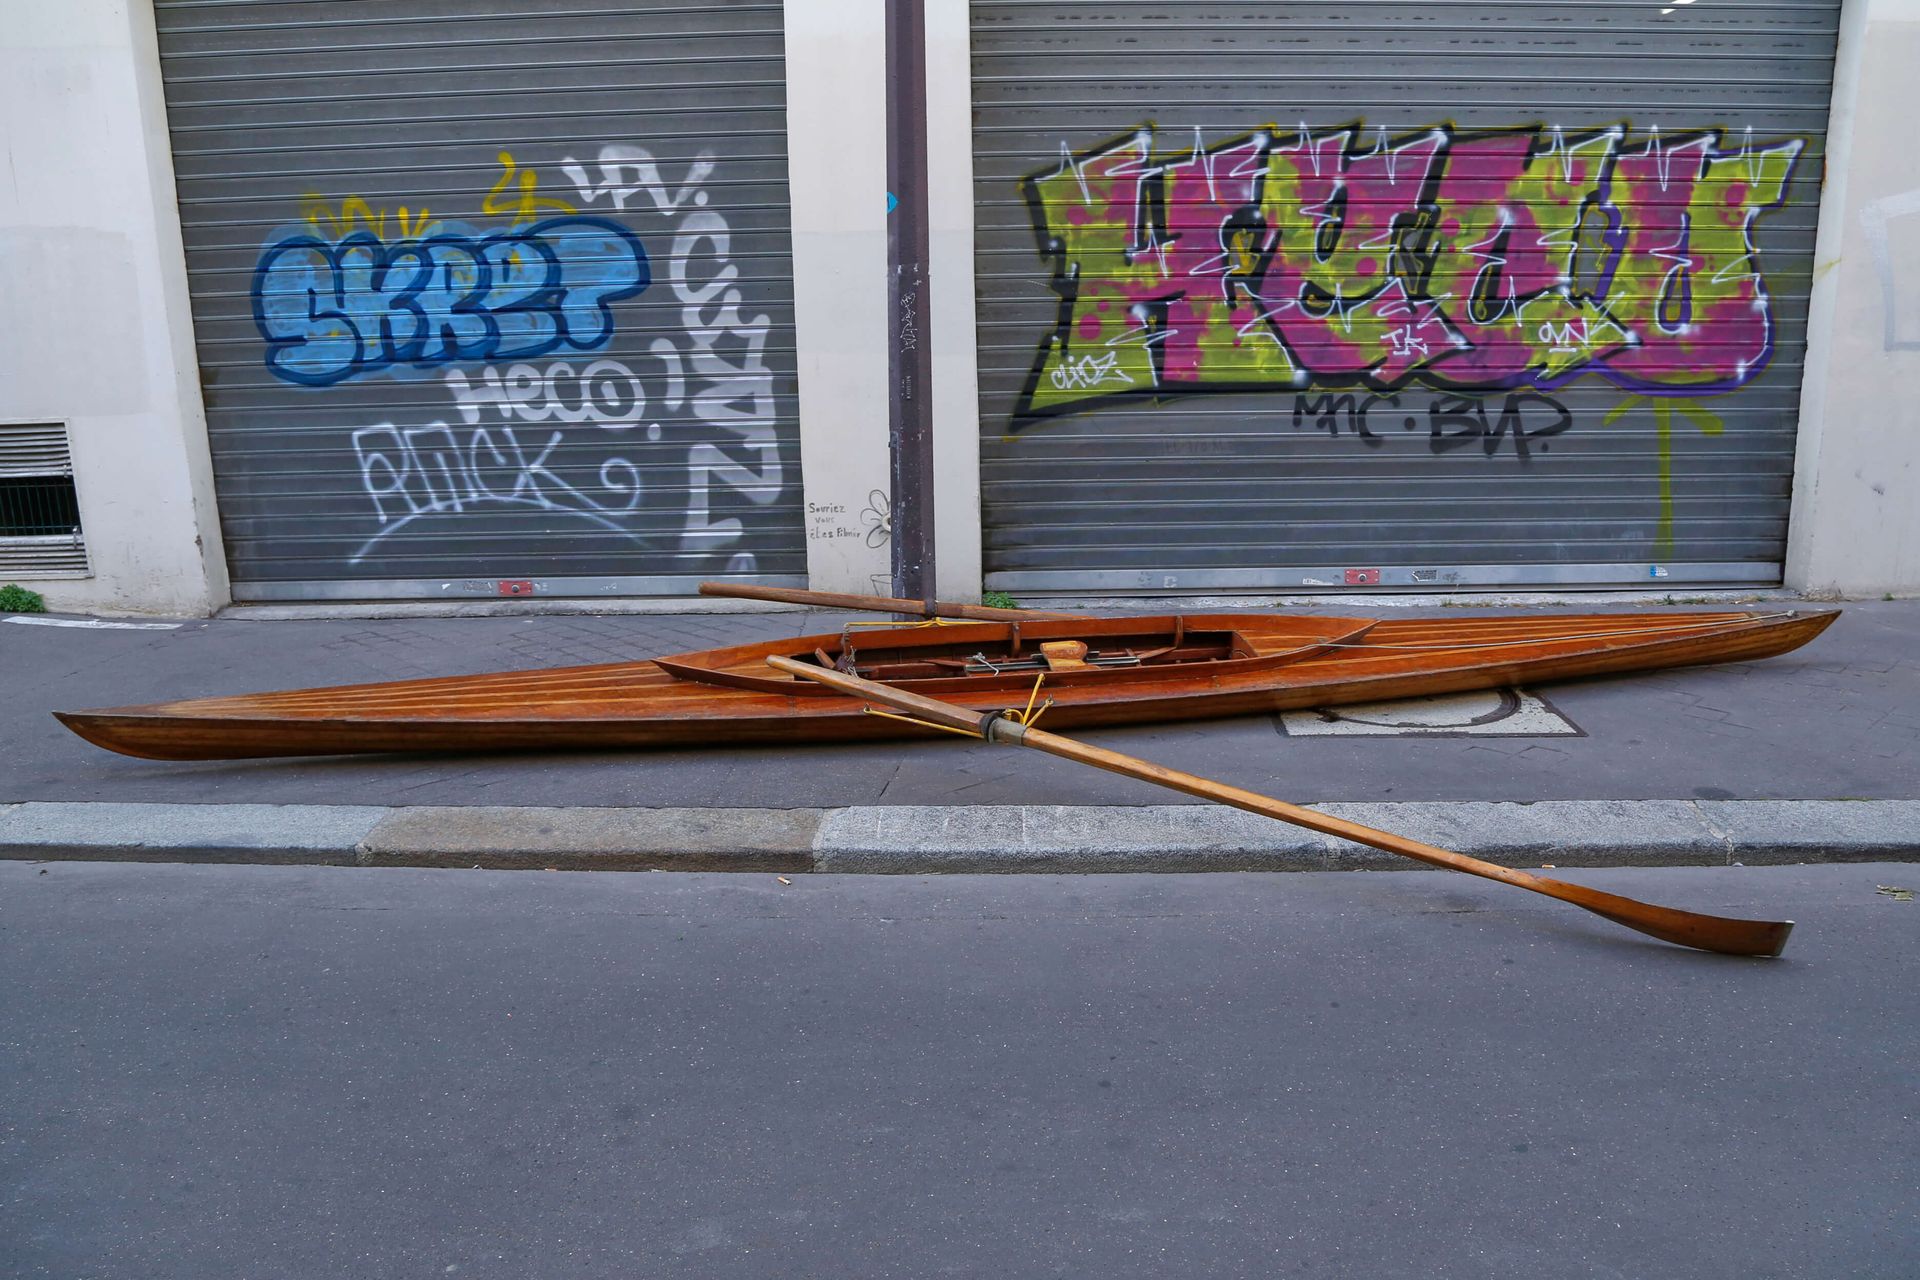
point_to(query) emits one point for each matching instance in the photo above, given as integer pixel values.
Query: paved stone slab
(900, 839)
(595, 839)
(936, 839)
(1761, 831)
(1640, 833)
(289, 833)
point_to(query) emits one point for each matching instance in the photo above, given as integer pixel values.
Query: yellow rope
(924, 724)
(1024, 717)
(924, 622)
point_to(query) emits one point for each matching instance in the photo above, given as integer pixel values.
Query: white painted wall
(956, 350)
(94, 326)
(837, 172)
(837, 175)
(1856, 500)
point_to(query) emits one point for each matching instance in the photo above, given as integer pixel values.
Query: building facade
(324, 303)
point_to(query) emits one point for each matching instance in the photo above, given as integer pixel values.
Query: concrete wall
(956, 388)
(1856, 502)
(837, 167)
(94, 328)
(837, 176)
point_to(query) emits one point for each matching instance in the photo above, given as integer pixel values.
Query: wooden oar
(874, 604)
(1687, 928)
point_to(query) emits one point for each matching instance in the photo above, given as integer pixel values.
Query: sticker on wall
(1490, 713)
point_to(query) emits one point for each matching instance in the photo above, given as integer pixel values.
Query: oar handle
(873, 604)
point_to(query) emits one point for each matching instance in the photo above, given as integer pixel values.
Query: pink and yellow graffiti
(1508, 260)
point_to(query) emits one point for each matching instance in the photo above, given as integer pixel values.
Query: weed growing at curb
(15, 598)
(998, 600)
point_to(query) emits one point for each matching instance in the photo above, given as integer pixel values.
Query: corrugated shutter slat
(1292, 295)
(416, 241)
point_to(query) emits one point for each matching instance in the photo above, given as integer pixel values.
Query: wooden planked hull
(641, 704)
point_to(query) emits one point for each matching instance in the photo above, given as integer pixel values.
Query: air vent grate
(39, 511)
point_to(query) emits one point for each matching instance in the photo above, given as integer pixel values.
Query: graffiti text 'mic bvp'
(1477, 262)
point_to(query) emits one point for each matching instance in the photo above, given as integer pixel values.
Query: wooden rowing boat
(1095, 671)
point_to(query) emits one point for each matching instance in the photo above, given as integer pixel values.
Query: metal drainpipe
(909, 361)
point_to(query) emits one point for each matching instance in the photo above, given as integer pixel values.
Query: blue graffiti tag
(333, 310)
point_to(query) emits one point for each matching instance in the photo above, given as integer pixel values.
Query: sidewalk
(1814, 756)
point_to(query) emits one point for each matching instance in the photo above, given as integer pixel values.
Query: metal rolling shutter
(1281, 295)
(490, 297)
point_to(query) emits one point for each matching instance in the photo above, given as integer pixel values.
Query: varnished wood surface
(1722, 934)
(1258, 642)
(638, 704)
(872, 604)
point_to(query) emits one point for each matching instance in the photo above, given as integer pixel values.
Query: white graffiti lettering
(605, 393)
(703, 389)
(718, 364)
(626, 172)
(1089, 371)
(410, 472)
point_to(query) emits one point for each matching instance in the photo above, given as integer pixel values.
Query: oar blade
(1725, 935)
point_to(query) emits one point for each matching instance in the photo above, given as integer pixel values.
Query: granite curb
(917, 840)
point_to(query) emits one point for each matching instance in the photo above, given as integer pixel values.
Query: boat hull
(642, 705)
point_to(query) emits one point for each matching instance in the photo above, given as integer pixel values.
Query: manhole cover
(1493, 713)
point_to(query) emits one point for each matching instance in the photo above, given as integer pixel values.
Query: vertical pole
(909, 361)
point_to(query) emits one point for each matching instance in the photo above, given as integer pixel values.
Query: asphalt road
(326, 1073)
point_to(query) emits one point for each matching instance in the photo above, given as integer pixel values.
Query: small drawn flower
(878, 517)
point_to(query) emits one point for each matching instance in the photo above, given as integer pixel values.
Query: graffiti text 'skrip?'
(1513, 261)
(333, 309)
